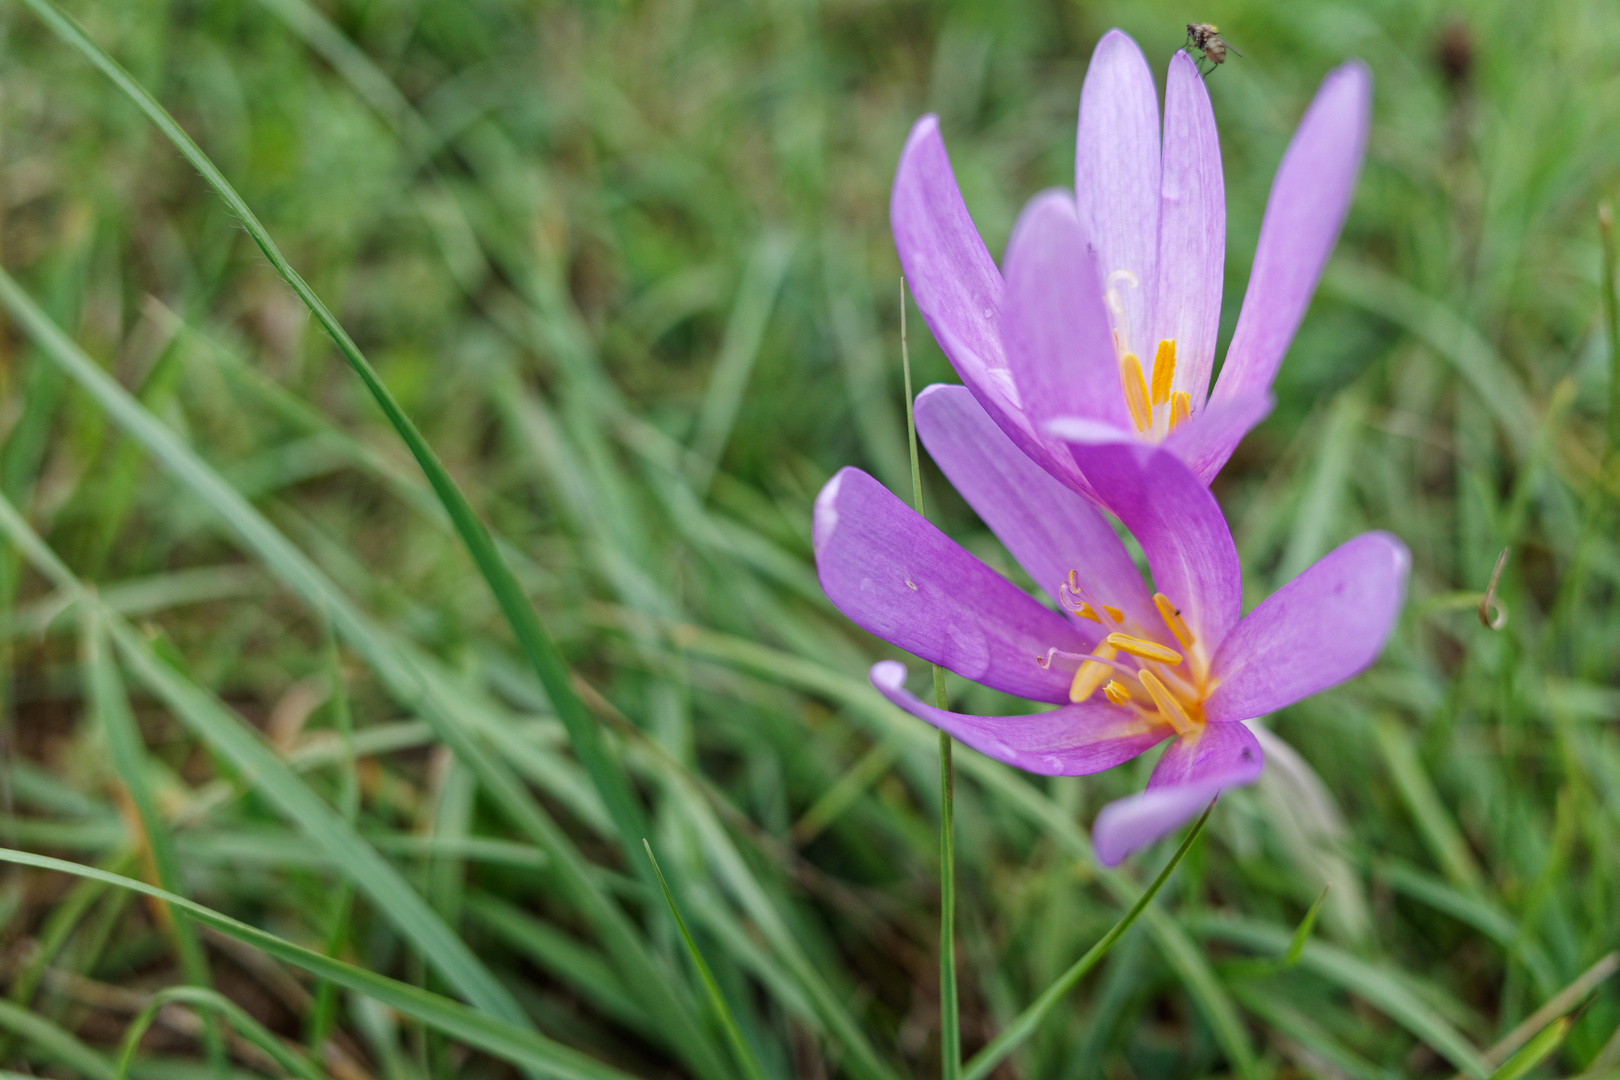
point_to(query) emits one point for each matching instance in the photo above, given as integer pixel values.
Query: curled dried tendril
(1492, 612)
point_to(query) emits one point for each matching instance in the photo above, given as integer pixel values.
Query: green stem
(950, 1032)
(1611, 321)
(1025, 1023)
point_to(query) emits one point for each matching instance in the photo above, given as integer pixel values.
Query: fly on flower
(1206, 38)
(1128, 667)
(1107, 316)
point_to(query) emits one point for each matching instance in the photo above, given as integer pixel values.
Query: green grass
(626, 268)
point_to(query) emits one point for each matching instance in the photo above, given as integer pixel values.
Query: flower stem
(1025, 1023)
(1611, 321)
(950, 1037)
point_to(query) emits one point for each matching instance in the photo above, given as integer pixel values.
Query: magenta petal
(1192, 230)
(1194, 769)
(1057, 336)
(1116, 180)
(1207, 438)
(900, 578)
(1319, 629)
(1074, 740)
(1180, 527)
(1048, 528)
(1309, 200)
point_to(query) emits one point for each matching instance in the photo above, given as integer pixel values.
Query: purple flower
(1105, 323)
(1127, 668)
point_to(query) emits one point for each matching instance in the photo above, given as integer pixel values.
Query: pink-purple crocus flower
(1126, 666)
(1104, 316)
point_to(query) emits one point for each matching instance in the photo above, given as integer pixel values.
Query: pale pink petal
(953, 279)
(1048, 528)
(1309, 200)
(1206, 439)
(1192, 230)
(1194, 769)
(1074, 740)
(1056, 331)
(1318, 630)
(1116, 181)
(896, 576)
(1180, 527)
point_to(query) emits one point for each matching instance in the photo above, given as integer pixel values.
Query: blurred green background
(628, 267)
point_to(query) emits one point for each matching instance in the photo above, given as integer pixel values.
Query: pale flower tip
(888, 675)
(824, 519)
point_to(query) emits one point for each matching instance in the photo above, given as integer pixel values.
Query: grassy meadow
(620, 275)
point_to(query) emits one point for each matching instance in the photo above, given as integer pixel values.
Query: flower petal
(900, 578)
(1207, 438)
(1074, 740)
(1048, 528)
(1116, 180)
(1056, 331)
(953, 278)
(1192, 230)
(1319, 629)
(1194, 769)
(1309, 199)
(1180, 527)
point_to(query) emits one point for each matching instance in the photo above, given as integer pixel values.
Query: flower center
(1133, 670)
(1145, 395)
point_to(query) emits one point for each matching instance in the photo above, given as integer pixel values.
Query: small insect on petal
(1091, 674)
(1164, 370)
(1147, 650)
(1172, 619)
(1180, 407)
(1136, 391)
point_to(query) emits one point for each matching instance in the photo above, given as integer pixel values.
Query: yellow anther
(1180, 407)
(1147, 650)
(1164, 369)
(1169, 707)
(1172, 619)
(1136, 391)
(1091, 674)
(1116, 692)
(1113, 613)
(1085, 612)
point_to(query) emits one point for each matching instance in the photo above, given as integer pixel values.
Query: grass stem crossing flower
(1103, 318)
(1126, 666)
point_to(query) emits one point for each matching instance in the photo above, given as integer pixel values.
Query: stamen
(1147, 650)
(1180, 407)
(1172, 619)
(1169, 707)
(1116, 692)
(1164, 370)
(1113, 613)
(1085, 612)
(1136, 391)
(1091, 674)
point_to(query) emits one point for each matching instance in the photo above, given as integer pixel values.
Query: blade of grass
(411, 676)
(272, 778)
(1611, 324)
(1537, 1050)
(56, 1043)
(950, 1030)
(739, 1046)
(536, 644)
(762, 279)
(128, 753)
(201, 997)
(519, 1045)
(1025, 1023)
